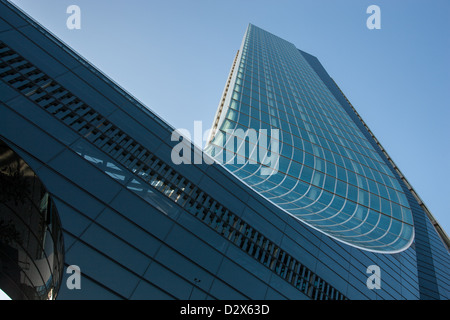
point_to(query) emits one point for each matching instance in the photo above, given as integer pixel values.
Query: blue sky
(174, 56)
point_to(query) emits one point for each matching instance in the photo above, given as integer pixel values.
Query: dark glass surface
(31, 243)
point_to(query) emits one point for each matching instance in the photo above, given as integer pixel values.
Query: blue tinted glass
(337, 182)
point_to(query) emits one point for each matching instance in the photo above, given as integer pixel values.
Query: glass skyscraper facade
(328, 174)
(301, 216)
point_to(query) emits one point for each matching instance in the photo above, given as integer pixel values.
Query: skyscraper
(331, 173)
(328, 175)
(302, 210)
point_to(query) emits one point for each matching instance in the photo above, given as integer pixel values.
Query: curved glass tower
(282, 131)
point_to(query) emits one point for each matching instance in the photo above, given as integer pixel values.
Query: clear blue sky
(175, 56)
